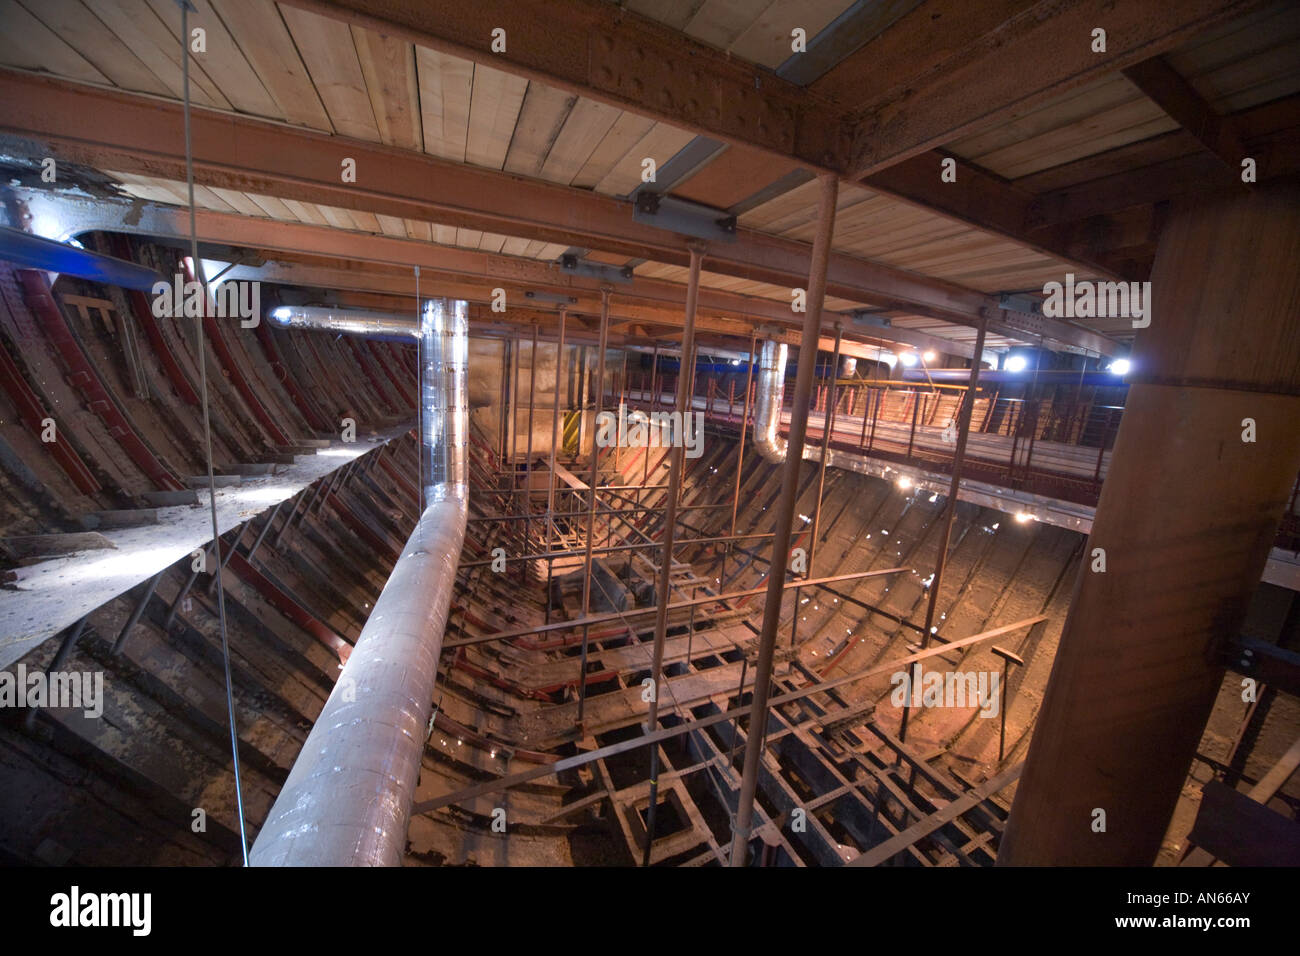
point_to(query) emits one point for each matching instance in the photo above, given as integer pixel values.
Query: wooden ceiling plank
(661, 144)
(541, 117)
(767, 41)
(330, 56)
(336, 217)
(238, 201)
(136, 26)
(82, 30)
(273, 207)
(495, 102)
(392, 226)
(671, 13)
(222, 61)
(1072, 106)
(307, 212)
(420, 231)
(625, 133)
(719, 22)
(492, 242)
(388, 65)
(584, 128)
(365, 221)
(469, 238)
(733, 175)
(28, 43)
(270, 50)
(445, 83)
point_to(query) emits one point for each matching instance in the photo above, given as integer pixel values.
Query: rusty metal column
(740, 452)
(828, 425)
(829, 189)
(654, 390)
(528, 455)
(1205, 458)
(677, 454)
(514, 416)
(550, 478)
(591, 491)
(949, 508)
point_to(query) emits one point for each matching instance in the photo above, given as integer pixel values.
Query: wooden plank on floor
(940, 818)
(1234, 828)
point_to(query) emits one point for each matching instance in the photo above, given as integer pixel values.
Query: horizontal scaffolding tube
(646, 611)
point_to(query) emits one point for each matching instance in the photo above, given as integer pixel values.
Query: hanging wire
(207, 423)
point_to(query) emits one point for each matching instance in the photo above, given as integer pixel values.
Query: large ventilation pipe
(371, 325)
(347, 801)
(769, 392)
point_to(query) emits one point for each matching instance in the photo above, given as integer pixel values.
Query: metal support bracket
(684, 217)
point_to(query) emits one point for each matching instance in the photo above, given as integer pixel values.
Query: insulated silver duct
(346, 321)
(347, 800)
(769, 392)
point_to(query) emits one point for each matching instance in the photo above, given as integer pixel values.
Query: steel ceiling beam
(618, 57)
(327, 258)
(130, 133)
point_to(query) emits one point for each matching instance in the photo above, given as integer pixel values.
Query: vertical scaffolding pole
(591, 492)
(685, 386)
(550, 478)
(949, 510)
(514, 417)
(740, 451)
(504, 399)
(828, 424)
(528, 456)
(829, 190)
(654, 390)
